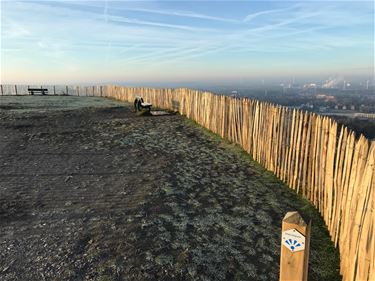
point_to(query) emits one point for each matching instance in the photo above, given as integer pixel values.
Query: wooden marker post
(295, 248)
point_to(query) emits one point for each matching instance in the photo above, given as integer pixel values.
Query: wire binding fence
(312, 154)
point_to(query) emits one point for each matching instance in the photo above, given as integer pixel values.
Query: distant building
(310, 86)
(325, 97)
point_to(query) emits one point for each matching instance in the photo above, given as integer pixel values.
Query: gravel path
(91, 191)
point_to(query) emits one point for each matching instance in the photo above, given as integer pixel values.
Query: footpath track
(91, 191)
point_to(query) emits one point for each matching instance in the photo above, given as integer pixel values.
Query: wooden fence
(11, 90)
(312, 154)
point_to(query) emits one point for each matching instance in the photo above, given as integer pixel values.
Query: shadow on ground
(91, 191)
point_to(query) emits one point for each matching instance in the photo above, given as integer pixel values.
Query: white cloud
(79, 38)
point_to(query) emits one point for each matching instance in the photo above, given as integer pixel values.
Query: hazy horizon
(185, 43)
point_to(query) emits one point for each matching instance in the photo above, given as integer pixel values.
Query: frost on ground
(91, 191)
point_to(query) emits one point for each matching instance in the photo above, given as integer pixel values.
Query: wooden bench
(44, 91)
(139, 104)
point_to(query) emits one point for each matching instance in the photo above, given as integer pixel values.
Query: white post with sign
(295, 247)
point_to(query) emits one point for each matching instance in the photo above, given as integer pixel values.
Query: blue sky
(179, 41)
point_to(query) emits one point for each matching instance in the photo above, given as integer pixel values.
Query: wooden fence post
(295, 248)
(15, 87)
(67, 91)
(2, 91)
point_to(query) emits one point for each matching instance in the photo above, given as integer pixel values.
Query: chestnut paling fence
(312, 154)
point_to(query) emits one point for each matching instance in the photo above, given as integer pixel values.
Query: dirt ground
(91, 191)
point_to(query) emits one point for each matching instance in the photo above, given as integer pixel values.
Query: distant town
(349, 103)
